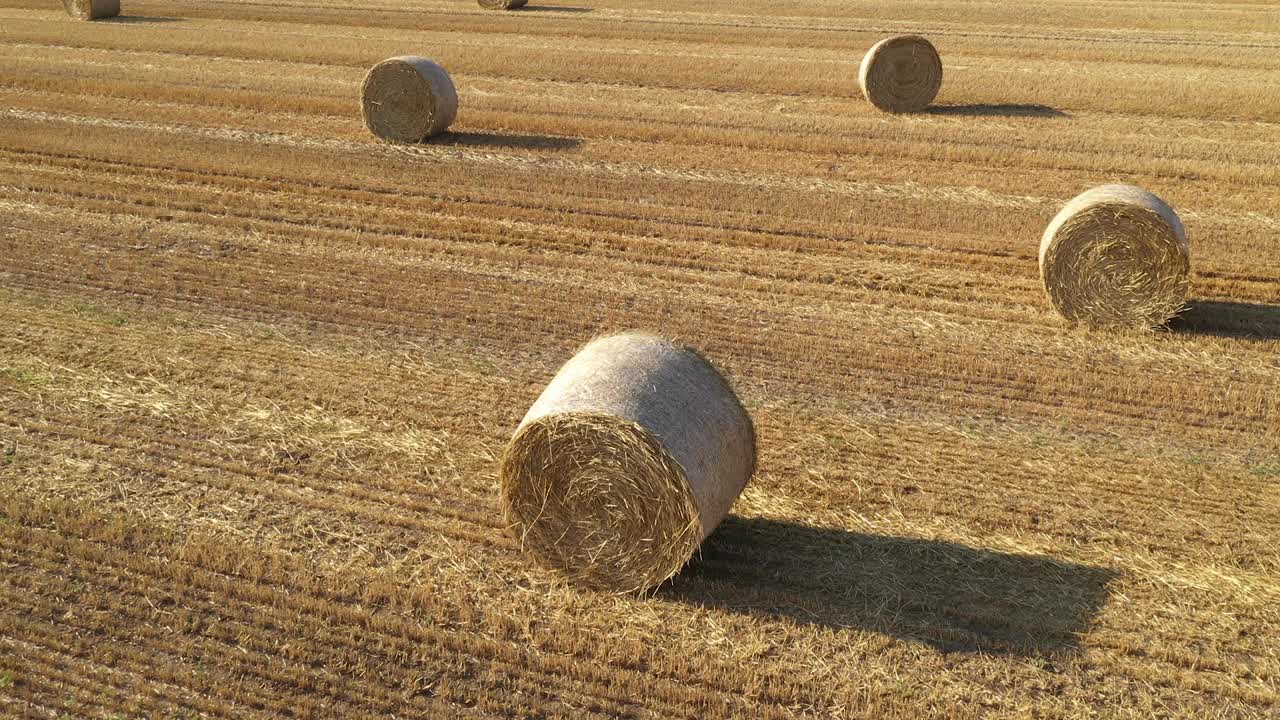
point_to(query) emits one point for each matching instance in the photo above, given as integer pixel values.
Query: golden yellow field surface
(257, 368)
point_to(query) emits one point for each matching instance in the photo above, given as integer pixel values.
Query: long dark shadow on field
(554, 8)
(954, 597)
(497, 140)
(139, 20)
(1258, 321)
(1004, 110)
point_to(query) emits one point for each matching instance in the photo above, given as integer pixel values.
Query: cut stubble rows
(257, 369)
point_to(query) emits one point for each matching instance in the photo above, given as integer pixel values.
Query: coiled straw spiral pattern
(628, 460)
(1116, 256)
(408, 99)
(901, 74)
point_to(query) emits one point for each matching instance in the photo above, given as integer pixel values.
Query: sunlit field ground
(256, 368)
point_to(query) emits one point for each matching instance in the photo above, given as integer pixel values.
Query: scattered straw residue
(1116, 256)
(408, 99)
(901, 74)
(92, 9)
(627, 461)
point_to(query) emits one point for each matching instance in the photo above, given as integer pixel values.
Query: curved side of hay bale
(628, 460)
(92, 9)
(1116, 256)
(502, 4)
(408, 99)
(901, 74)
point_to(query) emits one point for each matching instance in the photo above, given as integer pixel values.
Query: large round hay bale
(1116, 255)
(901, 74)
(628, 460)
(408, 99)
(92, 9)
(502, 4)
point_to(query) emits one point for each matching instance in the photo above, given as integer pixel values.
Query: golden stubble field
(256, 369)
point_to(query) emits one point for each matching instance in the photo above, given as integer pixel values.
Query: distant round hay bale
(502, 4)
(628, 460)
(408, 99)
(92, 9)
(901, 74)
(1116, 255)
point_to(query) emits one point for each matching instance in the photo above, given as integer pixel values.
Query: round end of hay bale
(1116, 256)
(502, 4)
(598, 499)
(901, 74)
(408, 99)
(630, 457)
(92, 9)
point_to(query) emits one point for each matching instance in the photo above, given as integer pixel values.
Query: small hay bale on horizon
(92, 9)
(901, 74)
(1116, 256)
(408, 99)
(627, 461)
(502, 4)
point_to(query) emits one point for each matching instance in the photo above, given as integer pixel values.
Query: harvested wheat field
(258, 368)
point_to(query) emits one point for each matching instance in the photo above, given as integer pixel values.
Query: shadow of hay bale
(554, 8)
(136, 20)
(497, 140)
(1002, 110)
(950, 596)
(1257, 321)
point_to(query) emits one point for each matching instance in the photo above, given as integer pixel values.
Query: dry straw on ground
(92, 9)
(628, 460)
(408, 99)
(901, 74)
(502, 4)
(1116, 255)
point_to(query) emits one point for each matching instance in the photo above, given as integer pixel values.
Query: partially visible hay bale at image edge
(408, 99)
(901, 74)
(628, 460)
(1116, 256)
(502, 4)
(92, 9)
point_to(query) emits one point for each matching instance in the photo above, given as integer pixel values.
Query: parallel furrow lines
(758, 233)
(395, 636)
(460, 508)
(289, 490)
(48, 658)
(786, 142)
(314, 612)
(1008, 393)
